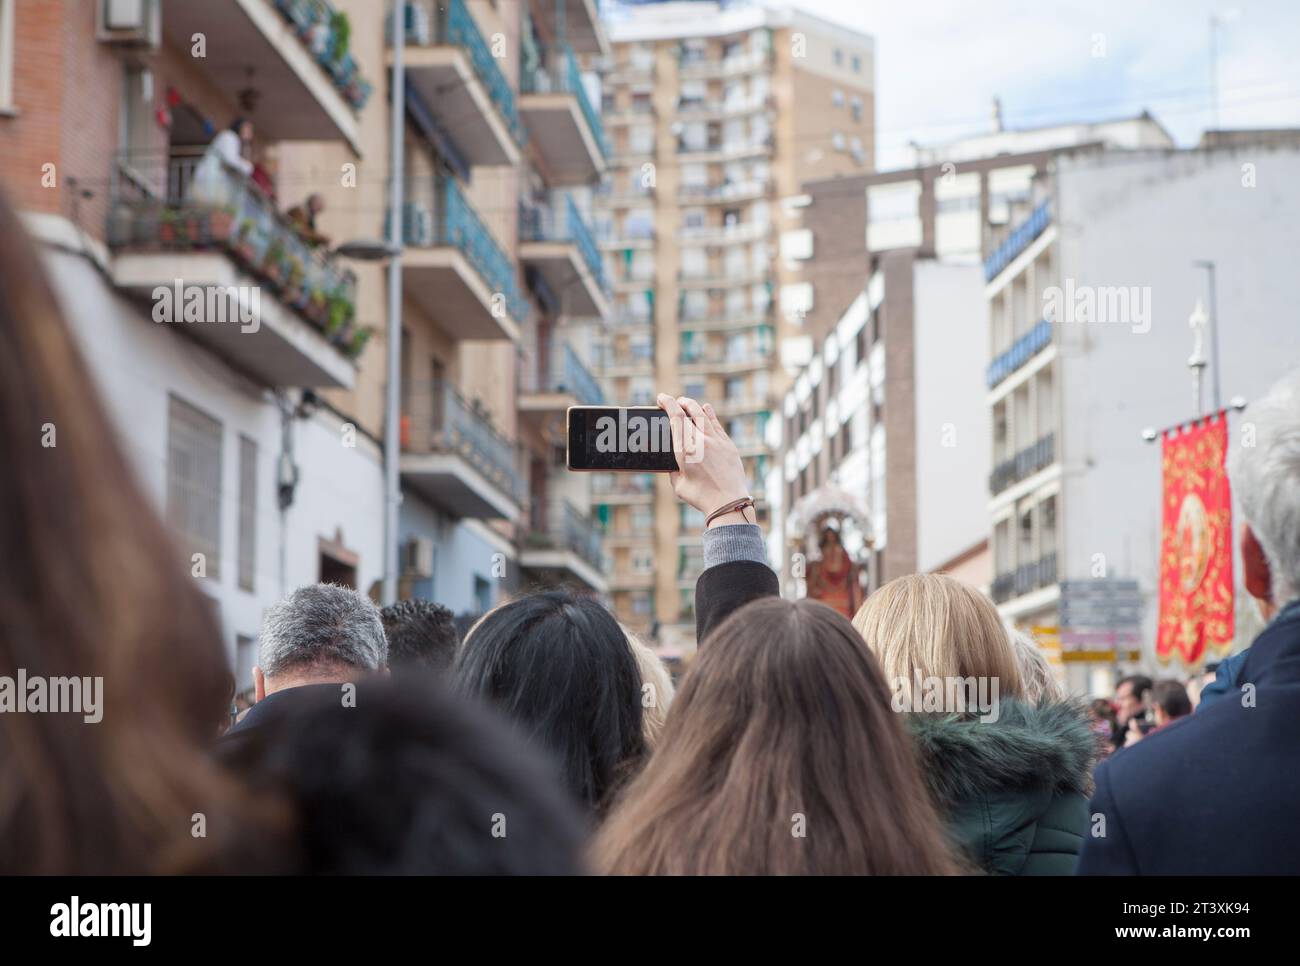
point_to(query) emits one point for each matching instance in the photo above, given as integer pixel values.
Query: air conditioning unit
(417, 558)
(130, 23)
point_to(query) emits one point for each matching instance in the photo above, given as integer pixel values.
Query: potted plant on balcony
(167, 222)
(358, 342)
(316, 306)
(220, 222)
(244, 249)
(294, 291)
(341, 35)
(273, 264)
(193, 225)
(338, 317)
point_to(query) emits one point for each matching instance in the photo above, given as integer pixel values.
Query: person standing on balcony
(224, 154)
(303, 218)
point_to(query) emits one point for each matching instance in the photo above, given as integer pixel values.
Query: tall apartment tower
(715, 113)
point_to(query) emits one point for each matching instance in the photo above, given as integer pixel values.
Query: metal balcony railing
(438, 213)
(560, 370)
(1025, 463)
(431, 23)
(440, 420)
(197, 203)
(558, 524)
(622, 484)
(559, 73)
(1019, 239)
(1021, 351)
(1024, 579)
(545, 223)
(324, 31)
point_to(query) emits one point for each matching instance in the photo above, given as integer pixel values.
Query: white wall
(1141, 220)
(137, 364)
(950, 328)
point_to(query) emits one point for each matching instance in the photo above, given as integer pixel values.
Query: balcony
(565, 126)
(554, 380)
(1019, 239)
(1024, 579)
(720, 275)
(712, 319)
(578, 21)
(563, 544)
(615, 360)
(1022, 350)
(622, 487)
(454, 269)
(743, 231)
(293, 52)
(451, 68)
(556, 242)
(454, 457)
(700, 67)
(182, 221)
(732, 191)
(1026, 463)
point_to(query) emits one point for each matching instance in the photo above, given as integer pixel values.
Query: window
(643, 603)
(482, 595)
(855, 108)
(194, 482)
(247, 548)
(6, 55)
(857, 64)
(839, 57)
(837, 98)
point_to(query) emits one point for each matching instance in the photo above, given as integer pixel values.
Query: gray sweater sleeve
(735, 541)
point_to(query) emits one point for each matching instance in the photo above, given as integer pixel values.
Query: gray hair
(322, 624)
(1036, 674)
(1266, 480)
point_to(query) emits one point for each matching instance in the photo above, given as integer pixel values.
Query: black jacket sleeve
(1106, 849)
(728, 587)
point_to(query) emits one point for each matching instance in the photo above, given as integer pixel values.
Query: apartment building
(1074, 490)
(109, 110)
(262, 443)
(504, 296)
(714, 113)
(886, 406)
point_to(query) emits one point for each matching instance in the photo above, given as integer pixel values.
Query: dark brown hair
(90, 586)
(780, 755)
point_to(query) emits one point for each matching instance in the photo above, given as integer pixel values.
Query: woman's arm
(712, 476)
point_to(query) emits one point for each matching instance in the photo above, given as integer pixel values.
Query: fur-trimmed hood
(1045, 747)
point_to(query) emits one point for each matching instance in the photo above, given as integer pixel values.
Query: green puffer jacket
(1012, 791)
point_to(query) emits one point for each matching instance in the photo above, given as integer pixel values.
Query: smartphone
(620, 439)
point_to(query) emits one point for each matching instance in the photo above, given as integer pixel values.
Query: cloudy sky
(939, 63)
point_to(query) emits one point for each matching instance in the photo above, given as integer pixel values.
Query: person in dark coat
(1218, 792)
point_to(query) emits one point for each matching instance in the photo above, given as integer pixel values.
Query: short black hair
(407, 779)
(1140, 684)
(559, 665)
(1171, 697)
(421, 634)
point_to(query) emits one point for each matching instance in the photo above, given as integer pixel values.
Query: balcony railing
(198, 204)
(1018, 240)
(325, 32)
(558, 525)
(637, 354)
(1024, 464)
(430, 23)
(559, 74)
(1021, 351)
(622, 484)
(730, 191)
(1024, 579)
(440, 214)
(541, 223)
(440, 420)
(559, 370)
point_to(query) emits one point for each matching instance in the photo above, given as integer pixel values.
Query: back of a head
(95, 595)
(421, 635)
(558, 665)
(1171, 697)
(656, 690)
(408, 779)
(781, 754)
(1266, 482)
(322, 630)
(1139, 684)
(1037, 678)
(938, 627)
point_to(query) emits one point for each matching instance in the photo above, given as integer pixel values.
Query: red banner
(1196, 586)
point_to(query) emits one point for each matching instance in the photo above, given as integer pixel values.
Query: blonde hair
(656, 689)
(1036, 675)
(941, 628)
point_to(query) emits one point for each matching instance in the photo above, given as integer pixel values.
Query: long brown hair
(781, 755)
(90, 586)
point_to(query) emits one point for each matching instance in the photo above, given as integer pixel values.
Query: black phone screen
(631, 439)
